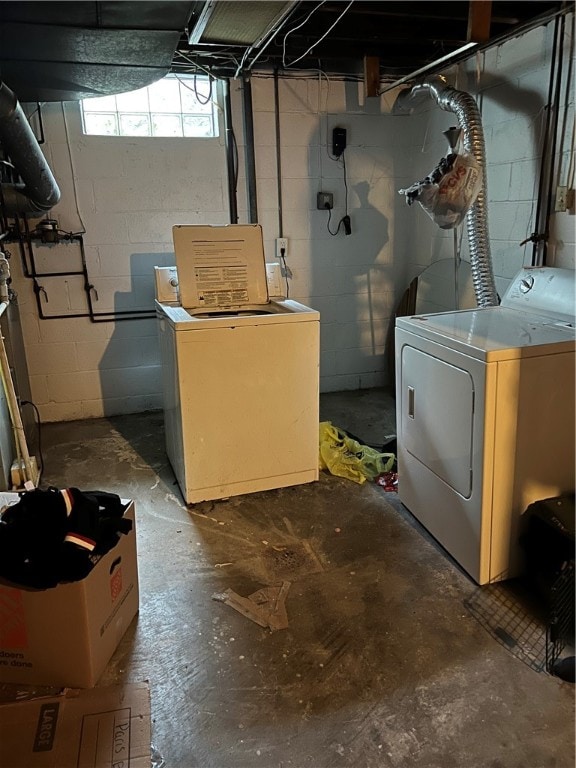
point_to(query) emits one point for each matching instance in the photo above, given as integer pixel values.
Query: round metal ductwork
(38, 191)
(464, 106)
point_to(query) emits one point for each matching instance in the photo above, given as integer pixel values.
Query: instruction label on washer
(221, 286)
(220, 267)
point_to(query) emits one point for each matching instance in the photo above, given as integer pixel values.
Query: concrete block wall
(353, 280)
(126, 194)
(510, 83)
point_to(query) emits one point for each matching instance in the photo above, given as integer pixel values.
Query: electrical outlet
(324, 201)
(281, 247)
(561, 199)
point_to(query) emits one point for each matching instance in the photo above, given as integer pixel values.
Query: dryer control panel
(547, 291)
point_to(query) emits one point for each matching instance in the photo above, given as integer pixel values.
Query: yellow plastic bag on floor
(345, 457)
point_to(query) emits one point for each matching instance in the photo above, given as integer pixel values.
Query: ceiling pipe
(39, 191)
(463, 105)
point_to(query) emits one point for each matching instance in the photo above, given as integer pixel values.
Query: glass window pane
(166, 125)
(101, 125)
(100, 104)
(197, 125)
(164, 96)
(191, 104)
(169, 107)
(135, 101)
(202, 89)
(134, 125)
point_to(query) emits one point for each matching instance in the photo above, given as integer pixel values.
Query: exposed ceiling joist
(479, 21)
(337, 36)
(63, 50)
(371, 76)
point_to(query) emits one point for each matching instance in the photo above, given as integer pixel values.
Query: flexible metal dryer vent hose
(463, 105)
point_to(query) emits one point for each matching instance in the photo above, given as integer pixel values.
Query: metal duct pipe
(250, 155)
(465, 108)
(39, 191)
(231, 154)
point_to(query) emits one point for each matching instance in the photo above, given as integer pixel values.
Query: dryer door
(437, 406)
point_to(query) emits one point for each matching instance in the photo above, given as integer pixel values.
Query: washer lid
(220, 268)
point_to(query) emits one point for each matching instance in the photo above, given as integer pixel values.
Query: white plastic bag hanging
(448, 193)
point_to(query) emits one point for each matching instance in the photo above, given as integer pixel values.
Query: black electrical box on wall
(338, 141)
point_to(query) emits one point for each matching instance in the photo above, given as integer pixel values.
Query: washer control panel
(166, 285)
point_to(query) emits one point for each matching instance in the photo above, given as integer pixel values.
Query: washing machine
(240, 370)
(485, 418)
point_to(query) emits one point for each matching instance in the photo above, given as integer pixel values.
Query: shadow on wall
(517, 102)
(369, 106)
(372, 306)
(130, 369)
(353, 289)
(131, 374)
(505, 104)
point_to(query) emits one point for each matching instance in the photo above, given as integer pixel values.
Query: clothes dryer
(485, 418)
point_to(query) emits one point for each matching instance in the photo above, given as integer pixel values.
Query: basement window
(177, 105)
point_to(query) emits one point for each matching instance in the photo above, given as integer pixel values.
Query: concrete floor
(381, 664)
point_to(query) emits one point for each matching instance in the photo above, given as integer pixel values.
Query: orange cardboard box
(65, 636)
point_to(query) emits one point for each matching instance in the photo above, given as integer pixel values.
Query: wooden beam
(479, 20)
(371, 76)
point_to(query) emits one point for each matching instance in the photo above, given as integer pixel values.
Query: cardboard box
(65, 636)
(98, 728)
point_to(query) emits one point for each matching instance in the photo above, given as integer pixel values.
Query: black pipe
(25, 268)
(250, 159)
(278, 154)
(537, 235)
(551, 166)
(231, 163)
(42, 138)
(95, 317)
(39, 191)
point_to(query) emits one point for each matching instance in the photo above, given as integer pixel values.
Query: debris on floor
(265, 607)
(388, 481)
(344, 456)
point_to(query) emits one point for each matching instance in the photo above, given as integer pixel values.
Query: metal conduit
(231, 159)
(250, 159)
(464, 106)
(39, 191)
